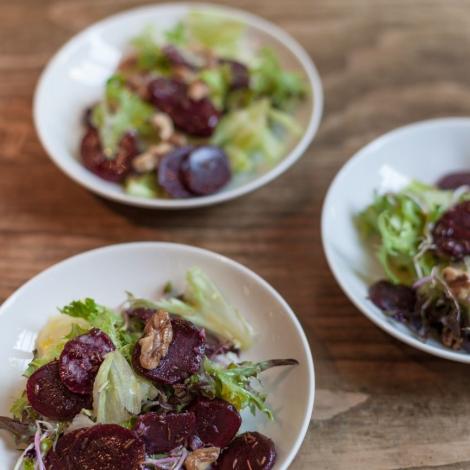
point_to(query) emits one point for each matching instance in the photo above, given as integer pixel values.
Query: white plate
(424, 151)
(143, 268)
(75, 77)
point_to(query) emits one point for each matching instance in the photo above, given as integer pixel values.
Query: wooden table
(384, 63)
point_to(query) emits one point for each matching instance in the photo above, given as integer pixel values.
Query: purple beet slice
(451, 233)
(169, 172)
(454, 180)
(184, 355)
(81, 358)
(51, 398)
(107, 447)
(205, 170)
(141, 313)
(249, 451)
(239, 74)
(217, 421)
(195, 117)
(58, 459)
(162, 433)
(394, 299)
(111, 169)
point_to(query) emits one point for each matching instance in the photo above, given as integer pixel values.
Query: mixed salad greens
(156, 385)
(187, 110)
(422, 234)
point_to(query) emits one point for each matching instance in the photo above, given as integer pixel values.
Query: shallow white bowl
(144, 268)
(424, 151)
(75, 77)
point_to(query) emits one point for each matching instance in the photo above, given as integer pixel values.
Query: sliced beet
(81, 358)
(184, 355)
(249, 451)
(107, 447)
(217, 421)
(205, 170)
(195, 117)
(111, 169)
(454, 180)
(239, 74)
(58, 459)
(141, 313)
(51, 398)
(451, 233)
(394, 299)
(164, 432)
(169, 172)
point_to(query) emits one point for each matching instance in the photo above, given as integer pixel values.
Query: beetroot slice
(58, 459)
(217, 421)
(184, 355)
(169, 172)
(50, 397)
(394, 299)
(451, 234)
(198, 118)
(239, 74)
(81, 359)
(250, 450)
(454, 180)
(107, 447)
(141, 313)
(205, 170)
(111, 169)
(162, 433)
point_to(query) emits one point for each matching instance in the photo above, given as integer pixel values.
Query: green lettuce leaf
(204, 305)
(142, 185)
(118, 392)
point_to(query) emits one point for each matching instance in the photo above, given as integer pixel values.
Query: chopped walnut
(157, 338)
(201, 459)
(178, 139)
(198, 90)
(164, 125)
(148, 160)
(458, 282)
(449, 340)
(184, 73)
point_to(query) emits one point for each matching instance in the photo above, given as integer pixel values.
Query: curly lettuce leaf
(269, 79)
(177, 35)
(255, 135)
(234, 383)
(142, 185)
(148, 52)
(204, 305)
(120, 112)
(118, 392)
(218, 81)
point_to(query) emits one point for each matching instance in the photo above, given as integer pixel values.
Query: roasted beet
(88, 117)
(239, 74)
(162, 433)
(169, 172)
(217, 421)
(184, 355)
(195, 117)
(111, 169)
(394, 299)
(58, 459)
(454, 180)
(205, 170)
(142, 313)
(249, 451)
(451, 233)
(179, 58)
(81, 359)
(50, 397)
(107, 447)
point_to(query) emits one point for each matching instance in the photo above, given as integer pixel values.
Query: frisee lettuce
(204, 305)
(234, 383)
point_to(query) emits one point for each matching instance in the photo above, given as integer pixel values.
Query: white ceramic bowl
(424, 151)
(75, 77)
(143, 268)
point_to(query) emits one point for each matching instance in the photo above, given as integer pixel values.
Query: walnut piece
(198, 90)
(148, 160)
(201, 459)
(458, 282)
(164, 125)
(157, 338)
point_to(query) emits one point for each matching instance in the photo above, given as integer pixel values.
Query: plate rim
(292, 453)
(288, 41)
(356, 158)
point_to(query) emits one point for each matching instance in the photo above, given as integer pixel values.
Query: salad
(188, 110)
(422, 235)
(155, 385)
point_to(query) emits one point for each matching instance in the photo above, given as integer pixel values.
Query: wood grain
(384, 63)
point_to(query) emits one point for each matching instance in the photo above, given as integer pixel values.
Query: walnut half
(158, 335)
(201, 459)
(458, 282)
